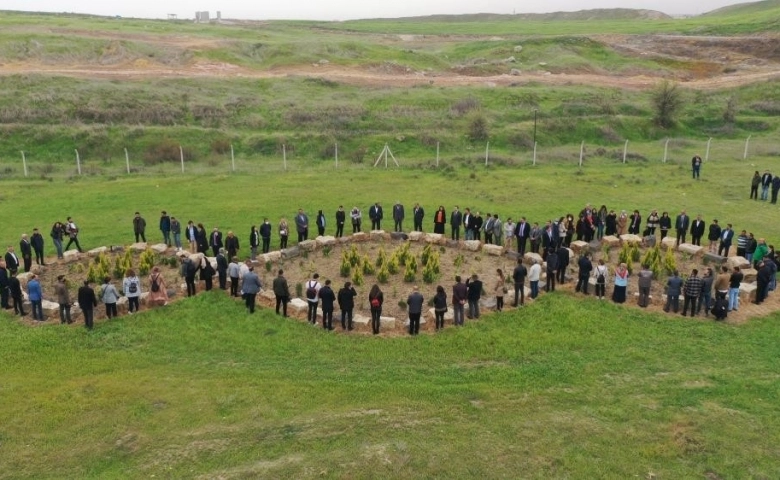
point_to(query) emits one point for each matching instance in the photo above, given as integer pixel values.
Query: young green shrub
(299, 290)
(426, 254)
(354, 256)
(268, 266)
(670, 262)
(381, 258)
(346, 267)
(383, 275)
(392, 265)
(410, 272)
(357, 277)
(368, 267)
(147, 260)
(458, 261)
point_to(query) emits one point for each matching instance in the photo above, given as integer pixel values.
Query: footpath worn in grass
(564, 388)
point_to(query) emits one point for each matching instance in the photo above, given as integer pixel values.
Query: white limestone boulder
(472, 245)
(493, 250)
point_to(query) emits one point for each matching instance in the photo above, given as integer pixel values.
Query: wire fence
(755, 150)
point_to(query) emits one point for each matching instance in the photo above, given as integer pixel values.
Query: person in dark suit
(250, 286)
(476, 226)
(320, 221)
(4, 286)
(635, 223)
(563, 263)
(25, 248)
(254, 241)
(281, 292)
(468, 220)
(375, 214)
(726, 237)
(456, 220)
(552, 270)
(11, 260)
(341, 218)
(302, 225)
(37, 244)
(16, 294)
(522, 233)
(192, 236)
(265, 234)
(203, 241)
(697, 230)
(713, 236)
(215, 240)
(139, 227)
(346, 299)
(766, 182)
(222, 267)
(681, 224)
(87, 303)
(398, 217)
(415, 303)
(419, 214)
(328, 298)
(439, 219)
(231, 245)
(549, 238)
(474, 292)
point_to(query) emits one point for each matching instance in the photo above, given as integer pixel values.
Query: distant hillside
(594, 14)
(743, 8)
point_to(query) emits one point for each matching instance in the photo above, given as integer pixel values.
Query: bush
(147, 261)
(167, 150)
(464, 106)
(368, 267)
(357, 278)
(220, 146)
(383, 275)
(299, 290)
(667, 101)
(346, 267)
(392, 265)
(478, 130)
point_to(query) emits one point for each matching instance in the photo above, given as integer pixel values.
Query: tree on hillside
(478, 129)
(667, 101)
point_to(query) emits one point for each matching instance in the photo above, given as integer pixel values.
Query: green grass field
(564, 388)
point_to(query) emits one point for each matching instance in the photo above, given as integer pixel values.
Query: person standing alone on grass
(139, 227)
(696, 166)
(87, 303)
(341, 218)
(265, 234)
(250, 286)
(415, 303)
(37, 245)
(328, 299)
(312, 297)
(281, 292)
(375, 300)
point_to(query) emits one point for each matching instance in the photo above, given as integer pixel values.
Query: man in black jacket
(456, 220)
(231, 245)
(87, 303)
(341, 218)
(139, 227)
(346, 300)
(563, 263)
(586, 267)
(681, 224)
(4, 286)
(474, 292)
(328, 298)
(375, 214)
(37, 244)
(518, 276)
(215, 240)
(398, 217)
(222, 266)
(697, 230)
(419, 214)
(265, 234)
(26, 250)
(16, 294)
(552, 270)
(522, 233)
(11, 260)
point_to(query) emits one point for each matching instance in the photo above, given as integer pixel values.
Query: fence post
(534, 164)
(666, 149)
(707, 154)
(127, 161)
(487, 153)
(284, 156)
(181, 156)
(437, 154)
(78, 162)
(232, 158)
(582, 152)
(747, 145)
(337, 154)
(625, 152)
(24, 163)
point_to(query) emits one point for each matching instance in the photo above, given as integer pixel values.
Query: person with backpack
(601, 272)
(375, 299)
(109, 297)
(312, 297)
(131, 286)
(158, 293)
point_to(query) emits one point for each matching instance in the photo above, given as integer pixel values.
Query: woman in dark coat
(439, 219)
(203, 241)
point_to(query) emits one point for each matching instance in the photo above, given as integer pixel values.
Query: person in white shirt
(533, 278)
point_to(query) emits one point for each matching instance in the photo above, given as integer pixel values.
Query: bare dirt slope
(709, 63)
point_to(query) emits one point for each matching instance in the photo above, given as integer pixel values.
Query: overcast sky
(347, 9)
